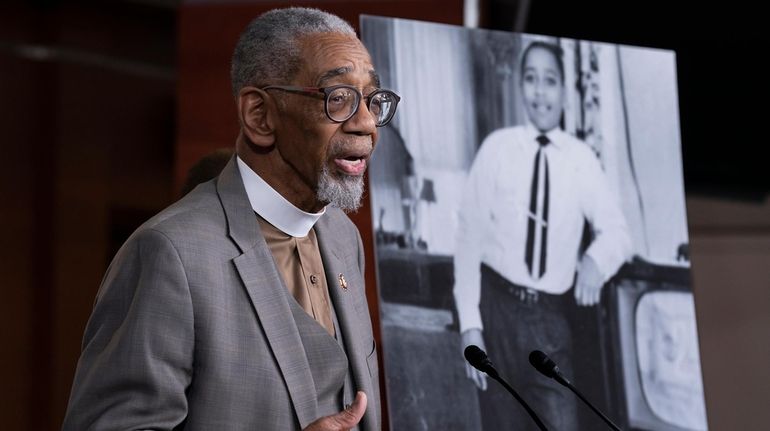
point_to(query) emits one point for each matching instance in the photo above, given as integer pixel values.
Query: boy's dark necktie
(538, 214)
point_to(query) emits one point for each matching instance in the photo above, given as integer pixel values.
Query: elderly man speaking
(242, 306)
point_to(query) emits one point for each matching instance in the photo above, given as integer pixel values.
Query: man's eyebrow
(326, 76)
(333, 74)
(375, 77)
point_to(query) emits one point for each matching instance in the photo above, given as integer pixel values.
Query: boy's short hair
(555, 50)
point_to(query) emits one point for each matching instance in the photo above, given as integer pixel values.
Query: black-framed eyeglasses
(341, 102)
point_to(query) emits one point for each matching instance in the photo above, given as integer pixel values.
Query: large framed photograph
(529, 196)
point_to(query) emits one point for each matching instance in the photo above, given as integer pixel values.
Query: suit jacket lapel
(353, 320)
(267, 292)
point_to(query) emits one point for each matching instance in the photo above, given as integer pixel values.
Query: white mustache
(340, 146)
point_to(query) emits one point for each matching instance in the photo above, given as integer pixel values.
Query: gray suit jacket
(192, 327)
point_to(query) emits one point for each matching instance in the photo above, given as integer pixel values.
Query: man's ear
(256, 113)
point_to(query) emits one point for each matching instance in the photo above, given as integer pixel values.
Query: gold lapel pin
(343, 282)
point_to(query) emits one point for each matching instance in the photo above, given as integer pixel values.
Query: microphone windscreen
(543, 363)
(475, 356)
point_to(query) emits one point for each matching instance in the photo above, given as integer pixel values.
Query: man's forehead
(329, 56)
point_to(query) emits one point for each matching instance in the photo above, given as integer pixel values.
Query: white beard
(344, 192)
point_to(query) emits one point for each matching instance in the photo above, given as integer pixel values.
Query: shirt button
(313, 279)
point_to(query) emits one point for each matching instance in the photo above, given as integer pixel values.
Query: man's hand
(588, 286)
(343, 420)
(474, 336)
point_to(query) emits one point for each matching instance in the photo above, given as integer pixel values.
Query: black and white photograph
(528, 199)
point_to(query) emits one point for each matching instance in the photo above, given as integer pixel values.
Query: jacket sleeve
(137, 353)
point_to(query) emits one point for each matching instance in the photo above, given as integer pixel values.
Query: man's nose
(362, 122)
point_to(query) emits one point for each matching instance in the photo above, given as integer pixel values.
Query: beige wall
(730, 252)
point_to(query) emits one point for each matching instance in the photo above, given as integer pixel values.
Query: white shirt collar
(553, 135)
(273, 207)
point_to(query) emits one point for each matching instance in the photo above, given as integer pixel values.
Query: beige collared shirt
(291, 238)
(299, 261)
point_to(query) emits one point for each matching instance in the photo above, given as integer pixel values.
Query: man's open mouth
(351, 165)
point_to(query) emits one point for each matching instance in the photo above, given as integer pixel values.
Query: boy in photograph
(529, 192)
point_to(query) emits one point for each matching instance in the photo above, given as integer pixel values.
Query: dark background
(722, 85)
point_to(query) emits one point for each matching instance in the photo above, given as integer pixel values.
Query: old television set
(653, 350)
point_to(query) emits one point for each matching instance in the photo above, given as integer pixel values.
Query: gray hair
(267, 51)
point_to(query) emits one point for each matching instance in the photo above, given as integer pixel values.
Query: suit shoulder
(197, 215)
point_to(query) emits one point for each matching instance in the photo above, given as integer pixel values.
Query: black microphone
(548, 368)
(479, 360)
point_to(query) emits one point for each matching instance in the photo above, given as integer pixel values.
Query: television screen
(668, 359)
(659, 362)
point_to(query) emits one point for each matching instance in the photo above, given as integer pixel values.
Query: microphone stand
(491, 372)
(548, 368)
(561, 379)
